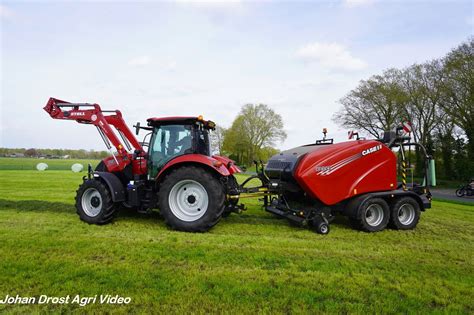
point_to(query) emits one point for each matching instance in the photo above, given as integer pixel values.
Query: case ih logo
(372, 150)
(327, 170)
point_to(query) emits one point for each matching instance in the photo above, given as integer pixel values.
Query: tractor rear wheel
(405, 214)
(191, 199)
(372, 215)
(94, 203)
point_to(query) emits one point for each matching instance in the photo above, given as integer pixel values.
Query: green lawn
(248, 263)
(53, 164)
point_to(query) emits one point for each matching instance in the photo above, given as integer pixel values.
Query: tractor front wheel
(191, 199)
(94, 203)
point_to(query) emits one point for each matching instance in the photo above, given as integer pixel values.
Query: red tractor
(193, 189)
(176, 173)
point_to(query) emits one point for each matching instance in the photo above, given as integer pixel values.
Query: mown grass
(248, 263)
(53, 164)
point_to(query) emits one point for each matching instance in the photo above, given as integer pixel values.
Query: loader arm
(85, 113)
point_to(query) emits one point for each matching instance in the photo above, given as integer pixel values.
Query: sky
(191, 58)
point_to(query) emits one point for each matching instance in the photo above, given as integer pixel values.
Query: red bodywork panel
(340, 171)
(215, 162)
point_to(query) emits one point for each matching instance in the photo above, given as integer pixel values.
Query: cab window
(168, 142)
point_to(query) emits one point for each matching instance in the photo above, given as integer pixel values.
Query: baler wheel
(405, 214)
(191, 199)
(94, 203)
(372, 215)
(321, 227)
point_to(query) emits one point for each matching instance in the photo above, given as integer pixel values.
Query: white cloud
(357, 3)
(5, 13)
(140, 61)
(331, 56)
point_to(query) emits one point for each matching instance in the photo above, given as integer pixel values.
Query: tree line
(436, 97)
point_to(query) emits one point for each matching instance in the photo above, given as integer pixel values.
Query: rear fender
(230, 164)
(194, 159)
(116, 188)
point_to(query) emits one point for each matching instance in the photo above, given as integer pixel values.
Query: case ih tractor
(175, 172)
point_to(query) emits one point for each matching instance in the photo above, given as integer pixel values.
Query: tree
(459, 90)
(255, 127)
(445, 142)
(217, 139)
(422, 84)
(31, 152)
(235, 143)
(375, 105)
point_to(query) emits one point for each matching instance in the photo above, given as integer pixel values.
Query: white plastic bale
(76, 168)
(41, 167)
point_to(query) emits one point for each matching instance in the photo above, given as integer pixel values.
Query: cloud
(5, 13)
(140, 61)
(357, 3)
(331, 56)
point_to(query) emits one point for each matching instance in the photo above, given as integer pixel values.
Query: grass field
(30, 163)
(248, 263)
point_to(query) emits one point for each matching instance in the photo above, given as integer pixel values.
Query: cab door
(168, 142)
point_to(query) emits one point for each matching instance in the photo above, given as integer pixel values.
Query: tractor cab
(175, 136)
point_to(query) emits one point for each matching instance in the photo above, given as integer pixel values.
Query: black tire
(321, 227)
(93, 196)
(460, 192)
(231, 204)
(178, 180)
(404, 214)
(371, 216)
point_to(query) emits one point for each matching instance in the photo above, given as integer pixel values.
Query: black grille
(278, 165)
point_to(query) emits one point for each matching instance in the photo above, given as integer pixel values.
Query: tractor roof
(179, 120)
(171, 120)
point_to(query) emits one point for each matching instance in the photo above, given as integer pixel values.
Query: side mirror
(137, 128)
